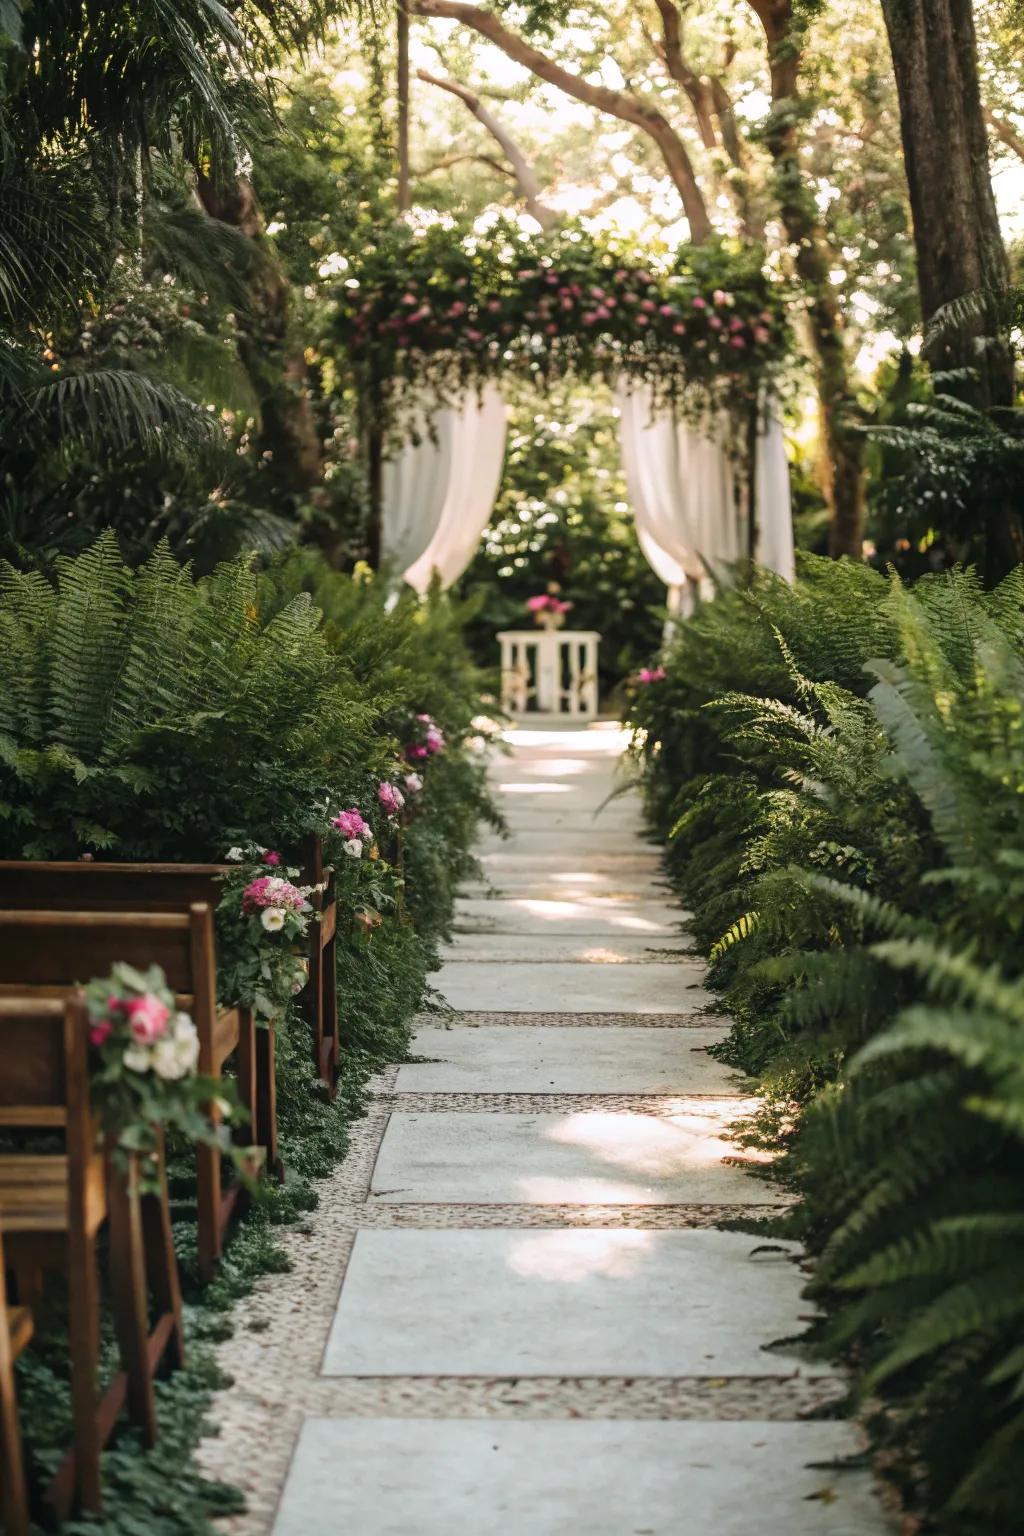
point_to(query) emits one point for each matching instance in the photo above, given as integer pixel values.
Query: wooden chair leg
(208, 1195)
(332, 1039)
(162, 1263)
(13, 1492)
(129, 1299)
(247, 1071)
(315, 996)
(266, 1100)
(84, 1328)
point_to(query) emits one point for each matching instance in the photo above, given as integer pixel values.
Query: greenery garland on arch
(440, 309)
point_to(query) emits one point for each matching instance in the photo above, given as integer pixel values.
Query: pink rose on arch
(698, 302)
(651, 675)
(147, 1018)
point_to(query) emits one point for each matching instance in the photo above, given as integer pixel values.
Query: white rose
(167, 1060)
(272, 919)
(354, 847)
(235, 855)
(138, 1058)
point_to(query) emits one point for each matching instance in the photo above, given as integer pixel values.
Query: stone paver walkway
(515, 1311)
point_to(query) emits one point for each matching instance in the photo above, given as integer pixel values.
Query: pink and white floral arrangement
(145, 1051)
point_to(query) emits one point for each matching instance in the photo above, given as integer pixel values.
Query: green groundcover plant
(145, 714)
(838, 769)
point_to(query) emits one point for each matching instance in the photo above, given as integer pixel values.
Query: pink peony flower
(651, 674)
(738, 343)
(351, 824)
(603, 312)
(147, 1018)
(666, 309)
(762, 334)
(272, 891)
(473, 335)
(270, 857)
(434, 739)
(99, 1031)
(698, 302)
(390, 797)
(648, 306)
(537, 604)
(721, 297)
(457, 309)
(679, 329)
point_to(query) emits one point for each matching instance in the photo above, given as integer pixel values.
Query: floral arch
(431, 322)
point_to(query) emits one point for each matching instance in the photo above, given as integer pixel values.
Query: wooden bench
(90, 886)
(49, 952)
(15, 1333)
(52, 1207)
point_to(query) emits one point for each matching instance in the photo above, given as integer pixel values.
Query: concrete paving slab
(655, 920)
(564, 1301)
(570, 845)
(582, 1158)
(581, 949)
(601, 1058)
(569, 885)
(479, 1477)
(550, 987)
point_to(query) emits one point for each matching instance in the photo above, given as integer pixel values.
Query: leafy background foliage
(838, 769)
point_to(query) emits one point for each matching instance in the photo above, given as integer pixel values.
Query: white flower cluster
(174, 1055)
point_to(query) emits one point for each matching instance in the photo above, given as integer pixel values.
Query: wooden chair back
(44, 1069)
(53, 951)
(79, 885)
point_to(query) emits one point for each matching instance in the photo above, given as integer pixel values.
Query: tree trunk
(956, 229)
(842, 456)
(288, 440)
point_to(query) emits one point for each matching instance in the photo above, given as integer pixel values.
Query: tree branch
(619, 104)
(448, 161)
(698, 90)
(522, 170)
(1005, 132)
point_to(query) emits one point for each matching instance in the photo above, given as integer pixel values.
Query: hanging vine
(426, 314)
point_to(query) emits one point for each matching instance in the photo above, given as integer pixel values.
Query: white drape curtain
(690, 522)
(438, 493)
(477, 459)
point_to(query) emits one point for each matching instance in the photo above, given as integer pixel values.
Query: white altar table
(552, 671)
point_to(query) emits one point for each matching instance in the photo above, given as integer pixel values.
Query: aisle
(541, 1329)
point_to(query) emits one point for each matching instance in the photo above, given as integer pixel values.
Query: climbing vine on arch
(433, 311)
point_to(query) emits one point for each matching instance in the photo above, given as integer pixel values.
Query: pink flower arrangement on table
(651, 675)
(546, 602)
